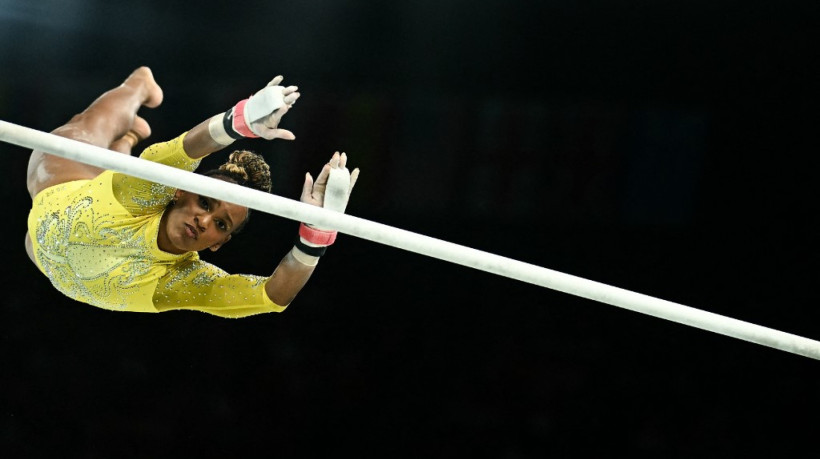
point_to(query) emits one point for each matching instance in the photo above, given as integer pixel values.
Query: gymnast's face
(196, 222)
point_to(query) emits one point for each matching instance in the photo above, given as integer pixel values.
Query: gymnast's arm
(296, 267)
(257, 116)
(219, 131)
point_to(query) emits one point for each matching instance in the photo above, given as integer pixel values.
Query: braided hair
(244, 168)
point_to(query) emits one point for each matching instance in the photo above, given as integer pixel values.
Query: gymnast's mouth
(191, 232)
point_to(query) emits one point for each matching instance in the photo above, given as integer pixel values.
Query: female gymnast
(127, 244)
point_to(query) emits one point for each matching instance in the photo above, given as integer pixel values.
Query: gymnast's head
(195, 222)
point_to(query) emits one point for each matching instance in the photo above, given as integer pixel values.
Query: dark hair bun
(248, 169)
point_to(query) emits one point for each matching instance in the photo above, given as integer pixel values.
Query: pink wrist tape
(239, 124)
(316, 236)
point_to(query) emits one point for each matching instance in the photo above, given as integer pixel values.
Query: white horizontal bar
(407, 240)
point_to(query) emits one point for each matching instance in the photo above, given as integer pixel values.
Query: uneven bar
(402, 239)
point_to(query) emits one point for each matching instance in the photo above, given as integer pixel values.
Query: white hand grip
(337, 191)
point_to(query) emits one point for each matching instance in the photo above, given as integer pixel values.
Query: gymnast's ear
(216, 246)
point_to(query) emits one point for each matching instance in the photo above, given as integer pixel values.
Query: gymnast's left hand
(338, 193)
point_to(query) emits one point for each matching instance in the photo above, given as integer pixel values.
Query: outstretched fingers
(290, 98)
(353, 177)
(335, 161)
(307, 188)
(321, 180)
(289, 93)
(272, 121)
(339, 161)
(269, 129)
(331, 191)
(284, 134)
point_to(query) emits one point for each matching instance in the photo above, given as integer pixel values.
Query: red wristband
(239, 124)
(316, 236)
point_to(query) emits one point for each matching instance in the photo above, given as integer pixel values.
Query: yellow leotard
(96, 241)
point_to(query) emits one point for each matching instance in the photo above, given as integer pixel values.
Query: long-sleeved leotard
(96, 241)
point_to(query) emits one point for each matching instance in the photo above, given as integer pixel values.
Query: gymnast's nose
(203, 222)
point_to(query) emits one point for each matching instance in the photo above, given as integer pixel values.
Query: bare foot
(143, 79)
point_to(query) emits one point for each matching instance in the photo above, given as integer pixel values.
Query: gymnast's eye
(203, 202)
(221, 225)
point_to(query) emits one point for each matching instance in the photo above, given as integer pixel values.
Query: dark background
(662, 147)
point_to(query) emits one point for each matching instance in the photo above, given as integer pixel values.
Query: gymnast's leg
(111, 121)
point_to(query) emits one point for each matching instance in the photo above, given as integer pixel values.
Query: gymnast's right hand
(265, 109)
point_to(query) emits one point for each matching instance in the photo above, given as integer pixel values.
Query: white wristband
(216, 128)
(304, 258)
